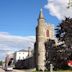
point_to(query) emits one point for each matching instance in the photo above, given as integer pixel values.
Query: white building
(22, 54)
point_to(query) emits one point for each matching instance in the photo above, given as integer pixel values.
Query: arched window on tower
(47, 33)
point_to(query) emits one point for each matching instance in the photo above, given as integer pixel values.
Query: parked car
(69, 63)
(9, 68)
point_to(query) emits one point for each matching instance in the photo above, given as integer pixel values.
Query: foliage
(64, 32)
(50, 53)
(56, 55)
(1, 62)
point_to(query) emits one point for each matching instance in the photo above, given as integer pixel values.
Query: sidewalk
(29, 70)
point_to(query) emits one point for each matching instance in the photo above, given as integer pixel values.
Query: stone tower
(43, 32)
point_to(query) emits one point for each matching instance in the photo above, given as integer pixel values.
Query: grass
(63, 71)
(69, 70)
(56, 71)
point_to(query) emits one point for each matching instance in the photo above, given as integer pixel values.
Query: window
(47, 33)
(19, 57)
(19, 53)
(23, 57)
(23, 53)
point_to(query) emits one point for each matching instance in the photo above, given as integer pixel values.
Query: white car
(8, 68)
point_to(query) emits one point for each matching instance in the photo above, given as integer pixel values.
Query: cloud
(58, 8)
(11, 43)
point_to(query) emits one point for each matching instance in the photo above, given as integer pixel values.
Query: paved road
(1, 70)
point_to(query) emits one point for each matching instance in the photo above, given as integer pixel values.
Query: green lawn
(64, 71)
(34, 70)
(57, 71)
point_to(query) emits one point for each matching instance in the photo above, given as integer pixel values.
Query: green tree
(0, 62)
(50, 53)
(56, 55)
(64, 32)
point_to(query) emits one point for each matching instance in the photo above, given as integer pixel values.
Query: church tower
(44, 31)
(40, 34)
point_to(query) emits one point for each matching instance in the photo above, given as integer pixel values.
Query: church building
(44, 31)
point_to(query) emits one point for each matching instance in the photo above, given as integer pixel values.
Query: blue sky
(19, 17)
